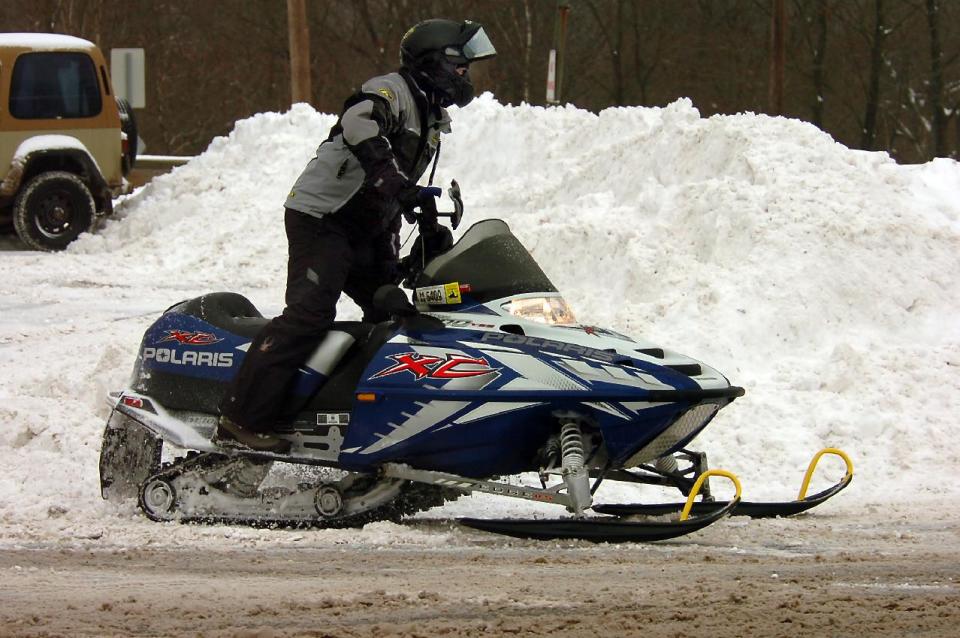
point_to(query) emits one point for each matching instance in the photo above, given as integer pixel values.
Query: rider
(343, 215)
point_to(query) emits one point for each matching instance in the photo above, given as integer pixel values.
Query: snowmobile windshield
(491, 261)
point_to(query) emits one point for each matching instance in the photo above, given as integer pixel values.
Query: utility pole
(778, 56)
(299, 32)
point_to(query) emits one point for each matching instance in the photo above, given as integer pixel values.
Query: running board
(770, 509)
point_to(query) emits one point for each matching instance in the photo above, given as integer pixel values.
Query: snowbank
(822, 279)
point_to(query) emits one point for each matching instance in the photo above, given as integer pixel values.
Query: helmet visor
(478, 47)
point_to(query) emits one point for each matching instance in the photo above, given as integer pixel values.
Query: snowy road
(887, 573)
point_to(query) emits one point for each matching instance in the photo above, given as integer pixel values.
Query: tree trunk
(527, 49)
(617, 58)
(614, 45)
(778, 56)
(638, 65)
(819, 56)
(869, 133)
(938, 129)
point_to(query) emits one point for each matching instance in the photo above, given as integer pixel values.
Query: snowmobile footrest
(597, 529)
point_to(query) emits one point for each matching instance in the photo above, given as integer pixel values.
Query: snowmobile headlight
(549, 310)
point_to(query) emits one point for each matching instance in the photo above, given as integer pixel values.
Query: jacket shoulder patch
(387, 93)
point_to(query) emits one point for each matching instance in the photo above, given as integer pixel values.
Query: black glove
(424, 198)
(436, 240)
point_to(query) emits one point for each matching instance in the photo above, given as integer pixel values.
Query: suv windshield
(54, 85)
(492, 261)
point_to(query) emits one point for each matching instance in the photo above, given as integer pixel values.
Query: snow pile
(824, 280)
(217, 220)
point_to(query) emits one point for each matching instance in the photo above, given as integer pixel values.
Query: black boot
(233, 435)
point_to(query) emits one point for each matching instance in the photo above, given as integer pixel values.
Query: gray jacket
(383, 141)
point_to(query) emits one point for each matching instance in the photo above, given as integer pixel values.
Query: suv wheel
(52, 210)
(128, 124)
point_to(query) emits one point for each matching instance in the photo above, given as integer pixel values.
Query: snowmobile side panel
(423, 386)
(442, 436)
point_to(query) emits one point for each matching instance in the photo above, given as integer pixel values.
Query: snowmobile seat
(237, 314)
(227, 310)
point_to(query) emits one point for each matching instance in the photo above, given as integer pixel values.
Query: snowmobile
(485, 375)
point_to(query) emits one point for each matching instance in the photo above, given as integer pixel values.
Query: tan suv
(66, 142)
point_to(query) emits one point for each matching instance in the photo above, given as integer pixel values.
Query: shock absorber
(575, 474)
(666, 464)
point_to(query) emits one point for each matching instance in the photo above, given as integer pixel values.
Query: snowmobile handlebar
(454, 194)
(457, 213)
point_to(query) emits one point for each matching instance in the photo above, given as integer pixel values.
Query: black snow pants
(349, 252)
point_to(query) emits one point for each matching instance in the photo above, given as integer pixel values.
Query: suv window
(54, 85)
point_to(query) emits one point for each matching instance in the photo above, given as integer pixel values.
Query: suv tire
(128, 124)
(52, 210)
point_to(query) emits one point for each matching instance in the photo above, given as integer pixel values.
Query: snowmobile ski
(597, 529)
(769, 509)
(619, 529)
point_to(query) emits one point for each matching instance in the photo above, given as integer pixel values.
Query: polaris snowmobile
(486, 375)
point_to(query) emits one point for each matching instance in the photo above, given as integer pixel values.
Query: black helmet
(434, 49)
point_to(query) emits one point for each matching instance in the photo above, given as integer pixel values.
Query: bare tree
(650, 33)
(935, 85)
(527, 48)
(77, 16)
(819, 61)
(872, 106)
(874, 73)
(778, 55)
(610, 21)
(512, 28)
(812, 28)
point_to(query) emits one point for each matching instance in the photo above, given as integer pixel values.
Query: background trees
(876, 74)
